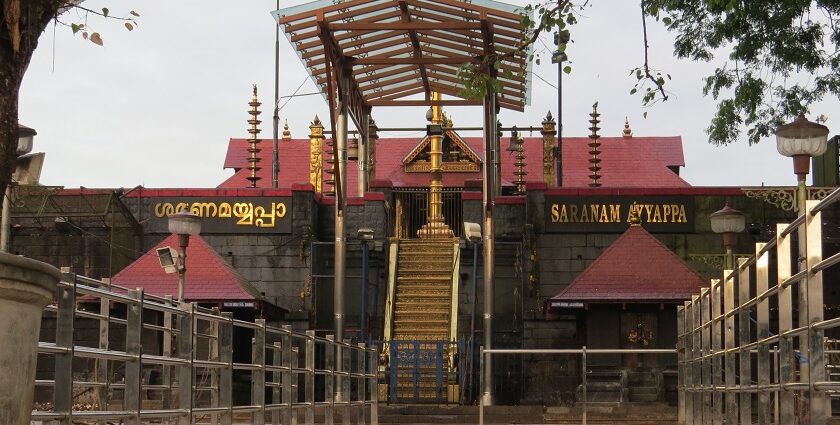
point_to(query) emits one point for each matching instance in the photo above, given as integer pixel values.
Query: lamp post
(802, 140)
(729, 222)
(184, 224)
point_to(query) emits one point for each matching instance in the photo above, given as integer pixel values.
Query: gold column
(373, 130)
(316, 152)
(594, 148)
(549, 130)
(435, 226)
(253, 149)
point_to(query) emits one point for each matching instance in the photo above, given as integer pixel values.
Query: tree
(780, 56)
(21, 24)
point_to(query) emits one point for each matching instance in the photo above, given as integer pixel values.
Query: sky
(156, 106)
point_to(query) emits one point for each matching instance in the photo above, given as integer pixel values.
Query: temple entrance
(412, 211)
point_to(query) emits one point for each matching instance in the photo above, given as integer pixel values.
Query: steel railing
(583, 352)
(199, 377)
(727, 334)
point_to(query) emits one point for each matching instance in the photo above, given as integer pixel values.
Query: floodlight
(472, 232)
(168, 258)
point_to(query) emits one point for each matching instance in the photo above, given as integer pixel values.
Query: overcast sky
(156, 106)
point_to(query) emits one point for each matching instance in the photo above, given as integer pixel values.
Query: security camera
(365, 234)
(168, 259)
(472, 232)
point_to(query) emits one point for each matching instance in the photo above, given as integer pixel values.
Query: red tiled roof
(637, 267)
(208, 277)
(625, 162)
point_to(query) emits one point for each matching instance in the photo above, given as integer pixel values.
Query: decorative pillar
(287, 135)
(435, 226)
(627, 133)
(253, 149)
(373, 133)
(594, 148)
(520, 172)
(26, 287)
(316, 154)
(329, 170)
(549, 130)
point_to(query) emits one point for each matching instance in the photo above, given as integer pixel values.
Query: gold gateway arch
(363, 54)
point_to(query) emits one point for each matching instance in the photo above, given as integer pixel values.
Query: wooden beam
(412, 34)
(427, 60)
(446, 102)
(403, 26)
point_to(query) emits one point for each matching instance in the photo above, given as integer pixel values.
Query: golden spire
(627, 132)
(287, 135)
(549, 131)
(520, 172)
(316, 154)
(594, 148)
(254, 122)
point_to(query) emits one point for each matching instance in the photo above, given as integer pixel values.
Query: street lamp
(729, 222)
(184, 224)
(801, 140)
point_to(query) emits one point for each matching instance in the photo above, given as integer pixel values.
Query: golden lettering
(564, 215)
(555, 213)
(604, 218)
(584, 214)
(182, 206)
(648, 208)
(574, 211)
(244, 211)
(164, 209)
(657, 217)
(682, 218)
(615, 213)
(224, 210)
(281, 209)
(666, 211)
(204, 209)
(594, 214)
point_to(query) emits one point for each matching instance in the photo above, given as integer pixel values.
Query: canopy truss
(385, 51)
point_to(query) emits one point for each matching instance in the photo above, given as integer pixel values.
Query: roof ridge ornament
(594, 148)
(253, 149)
(287, 135)
(627, 133)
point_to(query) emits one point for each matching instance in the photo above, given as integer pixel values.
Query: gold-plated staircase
(421, 318)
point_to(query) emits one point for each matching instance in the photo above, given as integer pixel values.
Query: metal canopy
(388, 50)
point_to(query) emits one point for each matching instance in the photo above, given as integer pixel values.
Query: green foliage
(94, 37)
(779, 57)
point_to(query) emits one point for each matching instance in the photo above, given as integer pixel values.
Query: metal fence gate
(412, 210)
(424, 371)
(740, 364)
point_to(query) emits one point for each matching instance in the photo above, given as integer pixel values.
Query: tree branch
(646, 66)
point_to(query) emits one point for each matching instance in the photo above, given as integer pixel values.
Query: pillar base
(435, 230)
(26, 287)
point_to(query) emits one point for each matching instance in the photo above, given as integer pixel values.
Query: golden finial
(254, 122)
(633, 218)
(287, 135)
(520, 172)
(627, 132)
(594, 148)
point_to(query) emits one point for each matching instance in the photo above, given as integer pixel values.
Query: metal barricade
(738, 362)
(142, 367)
(583, 352)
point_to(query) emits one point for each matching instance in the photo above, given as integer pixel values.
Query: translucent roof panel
(401, 48)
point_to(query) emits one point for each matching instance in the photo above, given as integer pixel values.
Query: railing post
(226, 373)
(786, 355)
(288, 374)
(102, 364)
(329, 380)
(64, 324)
(680, 365)
(820, 403)
(696, 358)
(186, 336)
(393, 371)
(690, 383)
(480, 385)
(583, 377)
(213, 355)
(706, 362)
(762, 333)
(258, 375)
(729, 357)
(309, 387)
(345, 382)
(295, 390)
(134, 367)
(360, 387)
(744, 356)
(717, 358)
(276, 379)
(373, 385)
(166, 351)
